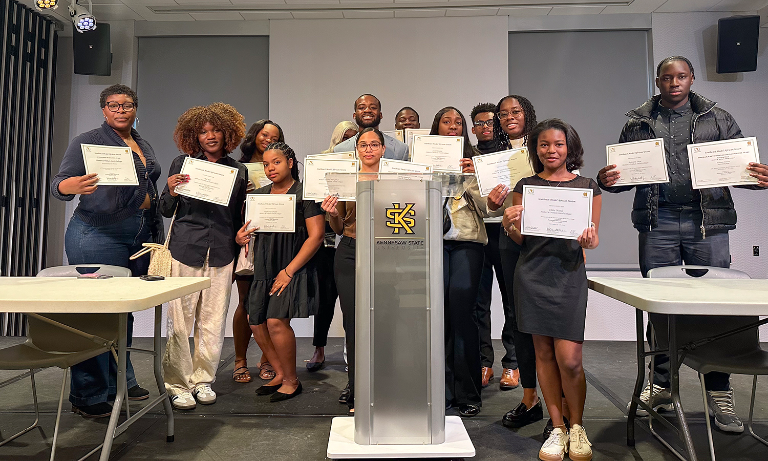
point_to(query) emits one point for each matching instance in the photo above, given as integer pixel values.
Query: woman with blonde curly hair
(202, 244)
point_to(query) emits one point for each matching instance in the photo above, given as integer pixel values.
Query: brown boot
(510, 379)
(487, 375)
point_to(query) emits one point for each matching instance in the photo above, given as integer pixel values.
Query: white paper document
(640, 162)
(333, 156)
(317, 186)
(505, 167)
(400, 166)
(271, 212)
(409, 133)
(722, 163)
(397, 134)
(113, 164)
(208, 181)
(556, 212)
(442, 153)
(256, 174)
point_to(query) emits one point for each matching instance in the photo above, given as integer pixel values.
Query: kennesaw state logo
(399, 218)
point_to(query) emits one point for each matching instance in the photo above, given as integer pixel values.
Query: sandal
(266, 372)
(242, 375)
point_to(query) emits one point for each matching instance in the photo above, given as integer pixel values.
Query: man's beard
(375, 123)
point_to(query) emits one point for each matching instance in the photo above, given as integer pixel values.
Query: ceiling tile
(329, 14)
(684, 6)
(456, 12)
(217, 16)
(519, 12)
(114, 13)
(145, 12)
(262, 15)
(98, 2)
(368, 14)
(367, 3)
(257, 2)
(415, 13)
(573, 10)
(312, 2)
(645, 6)
(203, 3)
(739, 5)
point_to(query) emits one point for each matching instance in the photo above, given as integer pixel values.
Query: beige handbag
(160, 255)
(244, 265)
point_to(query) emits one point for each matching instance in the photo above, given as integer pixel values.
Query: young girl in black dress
(285, 282)
(550, 288)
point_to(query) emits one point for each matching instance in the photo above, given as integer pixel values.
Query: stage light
(82, 18)
(46, 4)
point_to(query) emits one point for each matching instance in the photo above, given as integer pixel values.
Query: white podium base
(341, 443)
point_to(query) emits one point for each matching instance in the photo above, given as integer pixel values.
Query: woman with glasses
(343, 218)
(109, 225)
(463, 243)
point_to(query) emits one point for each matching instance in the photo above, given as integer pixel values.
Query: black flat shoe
(522, 415)
(344, 397)
(279, 396)
(97, 410)
(267, 390)
(138, 393)
(551, 427)
(315, 366)
(469, 411)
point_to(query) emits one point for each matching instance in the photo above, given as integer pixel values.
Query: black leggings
(328, 294)
(344, 271)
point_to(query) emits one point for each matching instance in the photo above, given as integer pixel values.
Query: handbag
(244, 265)
(160, 255)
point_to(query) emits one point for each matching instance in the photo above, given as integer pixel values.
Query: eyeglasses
(514, 113)
(364, 147)
(480, 123)
(114, 106)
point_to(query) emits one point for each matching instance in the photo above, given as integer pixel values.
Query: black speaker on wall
(737, 44)
(92, 51)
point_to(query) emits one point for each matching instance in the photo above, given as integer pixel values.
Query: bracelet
(286, 273)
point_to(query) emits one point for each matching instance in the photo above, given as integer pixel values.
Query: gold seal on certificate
(722, 163)
(208, 181)
(113, 164)
(256, 174)
(333, 156)
(271, 212)
(640, 162)
(317, 185)
(442, 153)
(556, 212)
(505, 167)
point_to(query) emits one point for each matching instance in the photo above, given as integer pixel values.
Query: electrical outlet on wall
(756, 250)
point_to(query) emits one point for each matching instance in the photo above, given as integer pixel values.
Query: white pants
(206, 312)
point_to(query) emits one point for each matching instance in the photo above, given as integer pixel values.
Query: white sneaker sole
(550, 457)
(180, 406)
(579, 457)
(663, 407)
(725, 427)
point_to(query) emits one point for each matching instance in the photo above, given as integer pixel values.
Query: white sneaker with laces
(555, 446)
(662, 399)
(204, 394)
(721, 407)
(183, 401)
(579, 448)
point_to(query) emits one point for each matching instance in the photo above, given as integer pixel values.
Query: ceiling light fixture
(82, 18)
(46, 4)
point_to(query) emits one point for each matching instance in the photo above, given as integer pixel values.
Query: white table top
(692, 296)
(72, 295)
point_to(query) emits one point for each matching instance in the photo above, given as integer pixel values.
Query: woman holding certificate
(462, 266)
(111, 221)
(285, 284)
(260, 135)
(550, 287)
(343, 219)
(205, 193)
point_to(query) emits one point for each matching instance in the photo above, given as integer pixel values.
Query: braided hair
(501, 136)
(666, 61)
(289, 155)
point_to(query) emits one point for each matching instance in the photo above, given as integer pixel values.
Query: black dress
(550, 284)
(272, 252)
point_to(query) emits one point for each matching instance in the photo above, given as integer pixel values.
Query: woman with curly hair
(202, 244)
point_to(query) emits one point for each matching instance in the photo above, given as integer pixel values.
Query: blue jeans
(94, 380)
(675, 241)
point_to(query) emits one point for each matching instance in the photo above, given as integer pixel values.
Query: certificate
(640, 162)
(505, 167)
(442, 153)
(113, 164)
(397, 134)
(722, 163)
(256, 174)
(409, 133)
(556, 212)
(271, 212)
(317, 185)
(208, 181)
(399, 166)
(333, 156)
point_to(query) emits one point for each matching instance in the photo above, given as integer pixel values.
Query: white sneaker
(721, 407)
(579, 448)
(555, 446)
(204, 394)
(183, 401)
(662, 399)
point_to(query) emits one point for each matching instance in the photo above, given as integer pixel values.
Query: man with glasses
(407, 117)
(368, 114)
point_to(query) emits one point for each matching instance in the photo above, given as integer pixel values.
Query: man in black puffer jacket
(677, 223)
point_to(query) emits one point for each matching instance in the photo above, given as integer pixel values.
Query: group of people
(296, 275)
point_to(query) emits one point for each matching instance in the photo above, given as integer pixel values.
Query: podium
(399, 333)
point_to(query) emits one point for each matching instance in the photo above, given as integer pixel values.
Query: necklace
(283, 191)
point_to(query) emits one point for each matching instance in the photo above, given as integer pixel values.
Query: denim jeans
(675, 241)
(94, 380)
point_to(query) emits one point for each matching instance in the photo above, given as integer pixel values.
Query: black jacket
(709, 123)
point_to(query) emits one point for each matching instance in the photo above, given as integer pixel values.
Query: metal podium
(399, 335)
